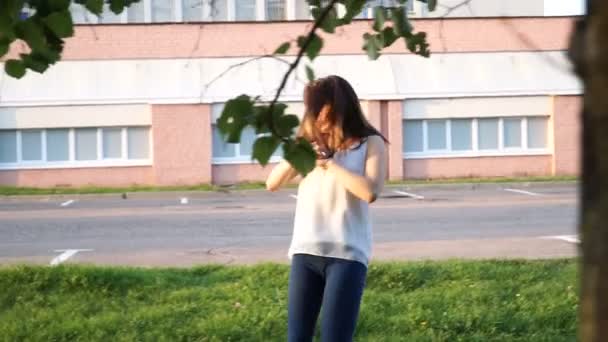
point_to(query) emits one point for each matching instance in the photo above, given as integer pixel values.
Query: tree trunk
(589, 51)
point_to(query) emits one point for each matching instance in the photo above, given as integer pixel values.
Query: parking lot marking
(293, 196)
(67, 203)
(66, 254)
(183, 200)
(524, 192)
(410, 195)
(567, 238)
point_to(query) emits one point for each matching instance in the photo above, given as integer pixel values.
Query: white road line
(407, 194)
(66, 254)
(293, 196)
(67, 203)
(183, 200)
(567, 238)
(524, 192)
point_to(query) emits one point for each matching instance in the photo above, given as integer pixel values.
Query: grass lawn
(16, 191)
(422, 301)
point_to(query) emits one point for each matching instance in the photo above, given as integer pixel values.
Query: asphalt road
(516, 220)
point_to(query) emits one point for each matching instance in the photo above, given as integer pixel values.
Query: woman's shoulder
(375, 140)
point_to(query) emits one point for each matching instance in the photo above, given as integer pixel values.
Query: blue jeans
(336, 286)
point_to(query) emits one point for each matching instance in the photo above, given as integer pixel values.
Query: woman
(331, 243)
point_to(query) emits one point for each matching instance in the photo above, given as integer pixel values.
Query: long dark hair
(338, 99)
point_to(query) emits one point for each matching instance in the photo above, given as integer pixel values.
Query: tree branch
(295, 63)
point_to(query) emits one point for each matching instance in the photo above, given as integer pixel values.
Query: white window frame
(238, 158)
(123, 161)
(416, 11)
(524, 150)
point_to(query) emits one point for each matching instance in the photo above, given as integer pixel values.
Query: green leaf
(372, 46)
(234, 118)
(60, 23)
(388, 36)
(300, 155)
(331, 21)
(432, 5)
(310, 74)
(14, 68)
(31, 32)
(286, 123)
(4, 46)
(117, 6)
(35, 62)
(313, 48)
(94, 6)
(59, 5)
(402, 26)
(281, 50)
(353, 8)
(379, 18)
(264, 147)
(417, 44)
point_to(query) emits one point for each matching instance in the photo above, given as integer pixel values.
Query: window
(537, 132)
(108, 17)
(163, 11)
(244, 10)
(302, 10)
(512, 132)
(225, 152)
(138, 142)
(275, 10)
(8, 146)
(474, 137)
(112, 143)
(77, 147)
(86, 144)
(192, 10)
(413, 138)
(57, 145)
(136, 12)
(436, 135)
(461, 134)
(31, 145)
(488, 134)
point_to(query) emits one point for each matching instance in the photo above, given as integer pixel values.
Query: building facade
(136, 97)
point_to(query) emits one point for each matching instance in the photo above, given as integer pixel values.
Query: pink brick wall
(234, 39)
(567, 133)
(238, 173)
(477, 167)
(104, 176)
(182, 144)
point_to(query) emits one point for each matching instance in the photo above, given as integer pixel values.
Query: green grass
(425, 301)
(17, 191)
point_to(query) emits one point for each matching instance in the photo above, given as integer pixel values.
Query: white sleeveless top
(329, 220)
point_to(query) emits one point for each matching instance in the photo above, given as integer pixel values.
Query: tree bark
(589, 52)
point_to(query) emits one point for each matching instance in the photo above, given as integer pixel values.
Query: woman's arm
(370, 185)
(280, 175)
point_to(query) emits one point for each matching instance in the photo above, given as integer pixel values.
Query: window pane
(302, 10)
(78, 14)
(365, 12)
(275, 10)
(412, 135)
(8, 146)
(221, 149)
(512, 132)
(108, 17)
(86, 143)
(136, 12)
(488, 134)
(138, 142)
(244, 9)
(462, 135)
(162, 10)
(537, 132)
(57, 144)
(112, 142)
(248, 138)
(436, 134)
(192, 10)
(31, 145)
(218, 10)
